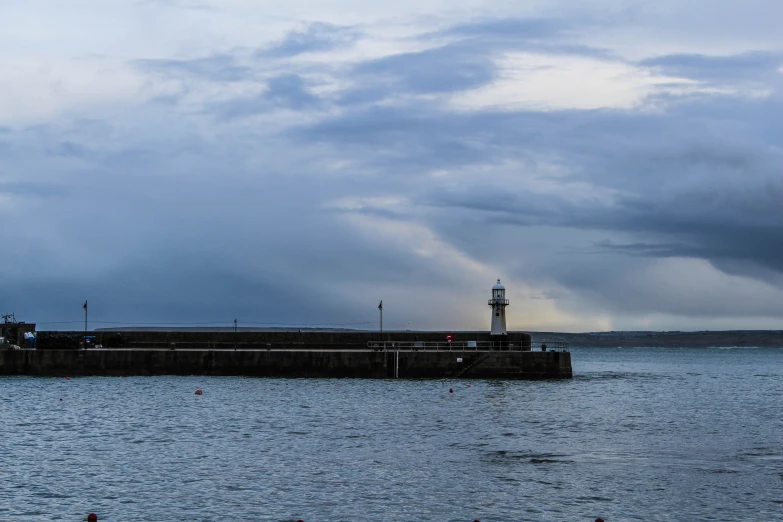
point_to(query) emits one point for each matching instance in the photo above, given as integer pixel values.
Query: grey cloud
(466, 63)
(540, 35)
(524, 28)
(177, 4)
(678, 184)
(240, 107)
(402, 140)
(317, 37)
(445, 69)
(173, 291)
(288, 91)
(738, 68)
(70, 149)
(178, 219)
(217, 68)
(32, 189)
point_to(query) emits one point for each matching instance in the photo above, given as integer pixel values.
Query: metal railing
(467, 346)
(456, 346)
(549, 346)
(498, 301)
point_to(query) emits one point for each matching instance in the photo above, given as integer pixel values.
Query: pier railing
(468, 346)
(550, 346)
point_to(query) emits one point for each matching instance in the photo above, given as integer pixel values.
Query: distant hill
(744, 338)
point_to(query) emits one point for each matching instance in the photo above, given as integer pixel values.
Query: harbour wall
(309, 339)
(289, 363)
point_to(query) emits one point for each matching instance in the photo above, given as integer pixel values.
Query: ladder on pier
(475, 362)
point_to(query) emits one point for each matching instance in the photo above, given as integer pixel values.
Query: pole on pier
(84, 340)
(380, 307)
(5, 325)
(235, 334)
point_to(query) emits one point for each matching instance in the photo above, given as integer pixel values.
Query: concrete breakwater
(304, 339)
(289, 363)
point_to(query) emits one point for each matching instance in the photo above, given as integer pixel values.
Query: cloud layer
(615, 166)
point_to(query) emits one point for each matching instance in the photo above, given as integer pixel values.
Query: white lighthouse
(498, 304)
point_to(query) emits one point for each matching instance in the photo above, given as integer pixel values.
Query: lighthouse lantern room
(498, 304)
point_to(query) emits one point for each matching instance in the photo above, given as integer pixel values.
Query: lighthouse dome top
(498, 286)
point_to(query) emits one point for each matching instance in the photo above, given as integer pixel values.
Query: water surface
(638, 434)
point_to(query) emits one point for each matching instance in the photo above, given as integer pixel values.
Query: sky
(617, 164)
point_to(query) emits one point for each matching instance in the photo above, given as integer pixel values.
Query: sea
(647, 434)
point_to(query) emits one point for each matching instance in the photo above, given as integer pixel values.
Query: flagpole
(380, 307)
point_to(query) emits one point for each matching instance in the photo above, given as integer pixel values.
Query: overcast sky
(618, 164)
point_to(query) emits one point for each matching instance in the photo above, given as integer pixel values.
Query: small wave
(532, 458)
(546, 461)
(604, 376)
(735, 347)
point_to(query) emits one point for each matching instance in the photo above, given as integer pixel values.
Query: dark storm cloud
(317, 37)
(184, 292)
(738, 68)
(714, 195)
(187, 211)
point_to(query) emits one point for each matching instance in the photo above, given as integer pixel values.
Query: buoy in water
(451, 390)
(67, 378)
(599, 520)
(199, 391)
(92, 517)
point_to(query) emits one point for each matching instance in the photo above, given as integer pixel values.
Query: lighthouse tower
(498, 304)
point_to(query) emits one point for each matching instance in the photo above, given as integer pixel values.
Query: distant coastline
(642, 339)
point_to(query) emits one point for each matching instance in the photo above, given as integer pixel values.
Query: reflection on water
(638, 434)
